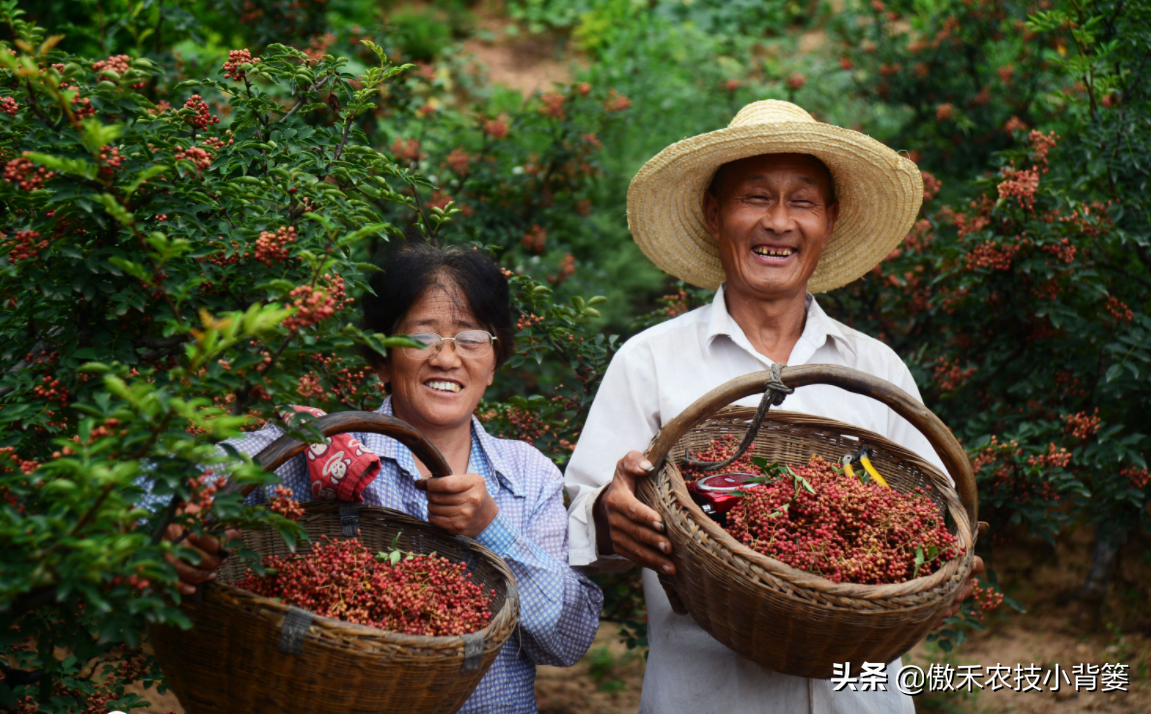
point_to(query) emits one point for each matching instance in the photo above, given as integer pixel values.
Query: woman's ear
(383, 370)
(492, 373)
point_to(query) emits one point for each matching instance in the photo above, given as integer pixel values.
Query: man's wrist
(602, 526)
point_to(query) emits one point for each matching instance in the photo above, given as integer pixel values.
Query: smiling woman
(505, 494)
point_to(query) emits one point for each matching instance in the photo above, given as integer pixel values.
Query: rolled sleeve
(624, 417)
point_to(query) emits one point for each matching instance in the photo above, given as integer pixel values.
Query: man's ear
(711, 205)
(832, 217)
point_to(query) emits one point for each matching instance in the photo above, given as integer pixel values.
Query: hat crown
(771, 111)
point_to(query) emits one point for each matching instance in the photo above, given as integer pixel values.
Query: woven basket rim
(721, 539)
(260, 605)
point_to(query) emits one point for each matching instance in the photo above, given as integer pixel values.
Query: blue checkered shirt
(559, 607)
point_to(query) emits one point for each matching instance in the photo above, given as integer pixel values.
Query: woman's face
(443, 390)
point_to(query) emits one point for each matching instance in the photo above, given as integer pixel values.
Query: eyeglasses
(469, 343)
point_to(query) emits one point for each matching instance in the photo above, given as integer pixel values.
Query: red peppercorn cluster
(824, 522)
(273, 247)
(1021, 185)
(990, 256)
(236, 60)
(25, 174)
(616, 102)
(316, 304)
(567, 269)
(534, 240)
(9, 106)
(1082, 425)
(116, 63)
(985, 600)
(201, 158)
(110, 160)
(25, 245)
(553, 105)
(1136, 478)
(51, 389)
(285, 505)
(459, 160)
(406, 149)
(204, 489)
(414, 595)
(203, 118)
(82, 107)
(719, 449)
(497, 128)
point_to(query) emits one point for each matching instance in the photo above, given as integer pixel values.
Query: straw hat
(879, 194)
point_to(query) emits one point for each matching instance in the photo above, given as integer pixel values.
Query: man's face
(771, 218)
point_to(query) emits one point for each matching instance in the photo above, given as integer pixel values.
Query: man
(773, 208)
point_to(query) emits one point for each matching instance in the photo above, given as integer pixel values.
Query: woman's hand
(212, 554)
(633, 530)
(459, 503)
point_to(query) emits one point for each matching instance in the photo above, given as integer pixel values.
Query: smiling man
(766, 212)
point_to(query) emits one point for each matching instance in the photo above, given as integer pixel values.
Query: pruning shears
(861, 457)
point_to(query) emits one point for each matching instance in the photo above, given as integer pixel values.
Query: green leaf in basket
(395, 556)
(396, 541)
(759, 461)
(805, 483)
(918, 561)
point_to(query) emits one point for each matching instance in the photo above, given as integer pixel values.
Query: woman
(505, 494)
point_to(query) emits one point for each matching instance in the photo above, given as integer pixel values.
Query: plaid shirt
(559, 608)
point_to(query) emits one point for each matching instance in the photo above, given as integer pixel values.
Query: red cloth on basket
(339, 469)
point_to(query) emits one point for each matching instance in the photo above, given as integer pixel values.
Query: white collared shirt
(655, 376)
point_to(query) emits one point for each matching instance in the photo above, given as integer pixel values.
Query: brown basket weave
(247, 653)
(785, 619)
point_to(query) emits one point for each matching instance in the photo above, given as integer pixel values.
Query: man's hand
(626, 526)
(459, 503)
(977, 568)
(212, 554)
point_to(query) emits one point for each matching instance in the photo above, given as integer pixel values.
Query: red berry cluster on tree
(273, 247)
(985, 599)
(497, 128)
(833, 525)
(414, 595)
(116, 63)
(314, 304)
(9, 106)
(285, 505)
(203, 118)
(25, 245)
(236, 60)
(201, 158)
(25, 174)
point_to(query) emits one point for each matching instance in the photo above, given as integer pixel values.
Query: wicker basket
(785, 619)
(247, 653)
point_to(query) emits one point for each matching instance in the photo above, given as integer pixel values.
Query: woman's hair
(414, 266)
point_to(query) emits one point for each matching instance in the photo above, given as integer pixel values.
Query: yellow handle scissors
(860, 457)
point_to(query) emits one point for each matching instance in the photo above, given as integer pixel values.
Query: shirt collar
(817, 329)
(402, 455)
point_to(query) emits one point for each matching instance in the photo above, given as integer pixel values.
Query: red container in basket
(715, 493)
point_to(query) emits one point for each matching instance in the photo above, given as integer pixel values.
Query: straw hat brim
(879, 195)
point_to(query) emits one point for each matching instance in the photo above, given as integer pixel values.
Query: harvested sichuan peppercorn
(817, 518)
(407, 593)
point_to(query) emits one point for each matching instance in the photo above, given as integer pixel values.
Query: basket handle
(852, 380)
(286, 447)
